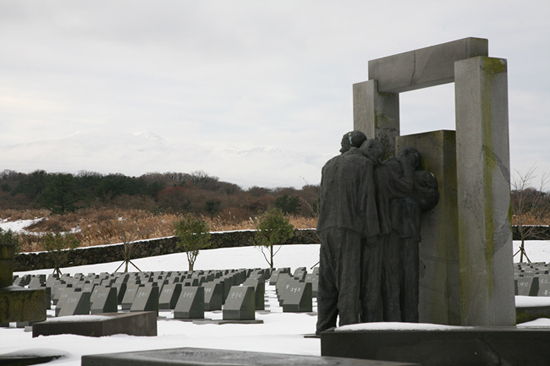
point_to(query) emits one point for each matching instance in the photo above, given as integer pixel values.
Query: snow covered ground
(280, 333)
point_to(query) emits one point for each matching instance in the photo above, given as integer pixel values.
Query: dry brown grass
(529, 219)
(105, 226)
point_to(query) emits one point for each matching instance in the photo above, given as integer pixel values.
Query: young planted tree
(129, 234)
(193, 234)
(273, 228)
(529, 207)
(58, 246)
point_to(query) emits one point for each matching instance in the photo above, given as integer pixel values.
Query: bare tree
(129, 234)
(529, 207)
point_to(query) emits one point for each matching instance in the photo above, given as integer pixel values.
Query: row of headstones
(188, 294)
(532, 279)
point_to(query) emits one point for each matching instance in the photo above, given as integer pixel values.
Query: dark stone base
(136, 324)
(18, 304)
(224, 321)
(527, 314)
(212, 357)
(30, 357)
(446, 347)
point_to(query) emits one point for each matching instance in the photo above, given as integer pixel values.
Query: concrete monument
(18, 304)
(466, 254)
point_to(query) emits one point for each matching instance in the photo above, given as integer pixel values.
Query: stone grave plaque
(104, 300)
(37, 281)
(259, 291)
(62, 296)
(77, 303)
(314, 280)
(213, 296)
(274, 277)
(298, 298)
(121, 290)
(528, 286)
(190, 304)
(544, 285)
(239, 304)
(169, 296)
(88, 287)
(129, 295)
(147, 299)
(58, 289)
(283, 284)
(300, 273)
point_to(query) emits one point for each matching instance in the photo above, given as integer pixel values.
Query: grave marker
(190, 304)
(259, 292)
(298, 298)
(169, 296)
(213, 296)
(129, 295)
(147, 299)
(239, 304)
(104, 300)
(76, 303)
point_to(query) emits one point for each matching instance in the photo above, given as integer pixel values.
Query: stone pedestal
(18, 304)
(468, 278)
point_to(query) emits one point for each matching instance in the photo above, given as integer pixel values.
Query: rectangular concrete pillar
(376, 114)
(483, 181)
(439, 255)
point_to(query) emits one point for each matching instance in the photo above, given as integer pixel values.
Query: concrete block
(99, 325)
(470, 346)
(439, 255)
(239, 304)
(18, 304)
(213, 357)
(424, 67)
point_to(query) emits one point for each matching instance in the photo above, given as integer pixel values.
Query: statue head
(352, 139)
(409, 156)
(374, 150)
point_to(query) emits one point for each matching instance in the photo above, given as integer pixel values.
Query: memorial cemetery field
(281, 332)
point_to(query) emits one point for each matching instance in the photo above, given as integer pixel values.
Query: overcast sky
(253, 92)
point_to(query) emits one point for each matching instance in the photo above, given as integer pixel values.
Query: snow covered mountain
(137, 153)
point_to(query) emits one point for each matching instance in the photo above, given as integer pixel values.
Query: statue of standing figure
(369, 226)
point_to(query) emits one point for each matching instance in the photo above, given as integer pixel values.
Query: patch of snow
(78, 318)
(532, 301)
(541, 322)
(18, 226)
(397, 326)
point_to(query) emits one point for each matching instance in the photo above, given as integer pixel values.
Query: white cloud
(244, 73)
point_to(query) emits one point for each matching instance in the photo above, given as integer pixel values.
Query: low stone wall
(148, 248)
(152, 247)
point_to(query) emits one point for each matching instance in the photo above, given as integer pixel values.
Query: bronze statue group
(369, 226)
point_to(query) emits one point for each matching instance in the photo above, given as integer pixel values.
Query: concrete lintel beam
(424, 67)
